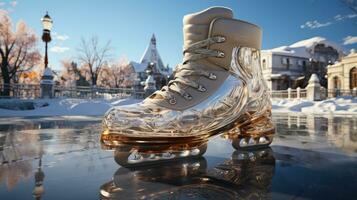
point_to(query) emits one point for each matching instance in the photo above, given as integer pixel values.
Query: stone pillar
(298, 92)
(137, 87)
(289, 93)
(313, 88)
(354, 92)
(47, 84)
(149, 87)
(323, 93)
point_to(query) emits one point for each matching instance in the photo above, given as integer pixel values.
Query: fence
(339, 92)
(302, 93)
(289, 94)
(33, 91)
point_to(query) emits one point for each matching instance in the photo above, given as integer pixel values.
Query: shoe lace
(190, 68)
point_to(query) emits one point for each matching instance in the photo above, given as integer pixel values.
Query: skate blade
(252, 155)
(136, 155)
(254, 133)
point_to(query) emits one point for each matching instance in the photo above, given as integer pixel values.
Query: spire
(151, 55)
(153, 39)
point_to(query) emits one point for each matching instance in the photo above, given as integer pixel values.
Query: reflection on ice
(313, 132)
(313, 158)
(239, 177)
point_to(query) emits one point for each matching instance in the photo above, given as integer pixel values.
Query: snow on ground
(66, 107)
(337, 106)
(97, 107)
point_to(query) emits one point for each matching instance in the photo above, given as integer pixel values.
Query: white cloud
(350, 40)
(13, 3)
(60, 37)
(338, 17)
(350, 16)
(342, 17)
(59, 49)
(315, 24)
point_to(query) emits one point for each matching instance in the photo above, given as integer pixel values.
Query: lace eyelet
(220, 54)
(212, 76)
(172, 101)
(201, 88)
(187, 96)
(221, 39)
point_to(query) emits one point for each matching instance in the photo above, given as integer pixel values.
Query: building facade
(291, 66)
(343, 74)
(150, 62)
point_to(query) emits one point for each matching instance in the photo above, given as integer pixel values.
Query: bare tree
(18, 50)
(93, 56)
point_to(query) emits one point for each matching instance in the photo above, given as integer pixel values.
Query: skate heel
(252, 132)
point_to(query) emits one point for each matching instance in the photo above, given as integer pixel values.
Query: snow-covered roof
(151, 55)
(304, 48)
(48, 72)
(138, 67)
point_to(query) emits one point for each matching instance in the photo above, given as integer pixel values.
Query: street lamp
(46, 35)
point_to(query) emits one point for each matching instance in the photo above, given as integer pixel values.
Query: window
(299, 62)
(264, 64)
(283, 61)
(353, 78)
(287, 63)
(336, 83)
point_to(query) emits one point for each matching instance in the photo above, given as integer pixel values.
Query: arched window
(353, 78)
(264, 63)
(336, 83)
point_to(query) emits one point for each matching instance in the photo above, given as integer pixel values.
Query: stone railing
(297, 93)
(33, 91)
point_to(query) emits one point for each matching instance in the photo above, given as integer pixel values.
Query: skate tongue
(196, 25)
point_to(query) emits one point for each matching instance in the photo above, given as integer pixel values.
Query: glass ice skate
(247, 175)
(217, 89)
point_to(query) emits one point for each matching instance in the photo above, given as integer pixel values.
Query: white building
(151, 60)
(291, 66)
(343, 74)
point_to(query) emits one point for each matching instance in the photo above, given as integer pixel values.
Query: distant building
(291, 66)
(151, 60)
(343, 74)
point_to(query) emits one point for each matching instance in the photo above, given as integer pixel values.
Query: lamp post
(47, 89)
(46, 35)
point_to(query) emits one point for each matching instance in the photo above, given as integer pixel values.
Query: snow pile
(67, 107)
(339, 106)
(97, 107)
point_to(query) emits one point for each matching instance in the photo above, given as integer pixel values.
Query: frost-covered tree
(18, 50)
(71, 74)
(121, 73)
(93, 57)
(117, 74)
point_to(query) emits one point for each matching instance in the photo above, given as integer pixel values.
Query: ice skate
(217, 89)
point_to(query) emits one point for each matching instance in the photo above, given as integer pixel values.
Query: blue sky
(130, 24)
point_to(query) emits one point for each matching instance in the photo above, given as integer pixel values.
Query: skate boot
(217, 89)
